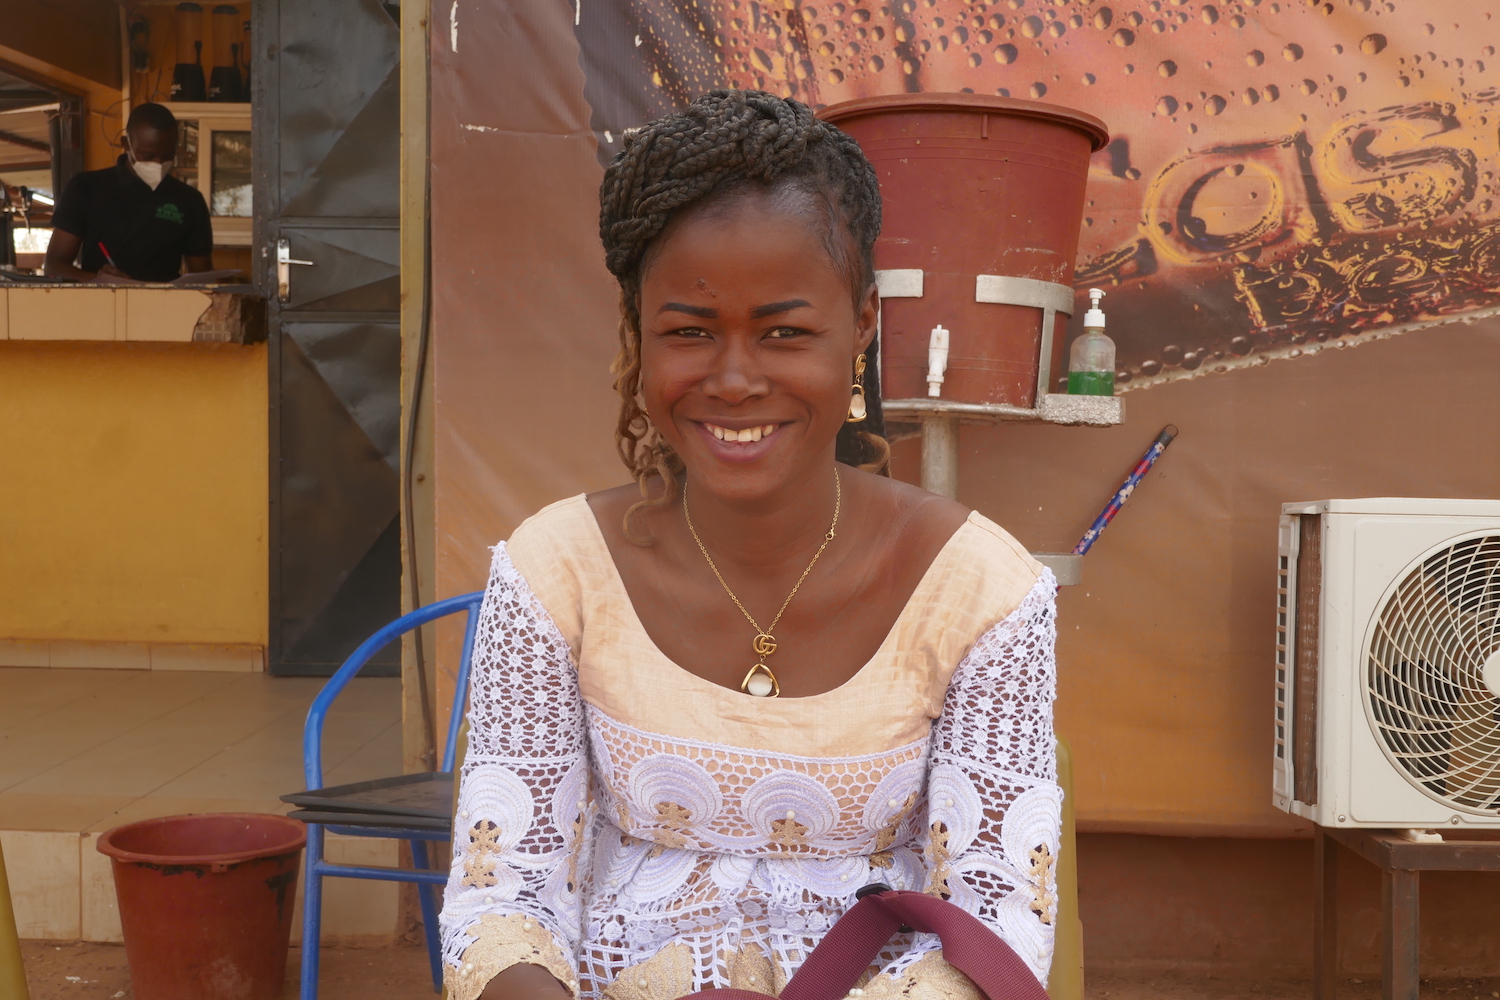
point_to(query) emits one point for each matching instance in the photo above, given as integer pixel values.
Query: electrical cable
(429, 726)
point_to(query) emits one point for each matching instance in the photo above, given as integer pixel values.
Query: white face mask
(150, 171)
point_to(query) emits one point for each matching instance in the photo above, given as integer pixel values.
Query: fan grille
(1434, 714)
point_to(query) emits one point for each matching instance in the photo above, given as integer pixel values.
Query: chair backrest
(312, 733)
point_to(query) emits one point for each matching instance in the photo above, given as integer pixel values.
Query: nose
(735, 377)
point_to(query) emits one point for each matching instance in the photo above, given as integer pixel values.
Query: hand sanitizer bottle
(1091, 363)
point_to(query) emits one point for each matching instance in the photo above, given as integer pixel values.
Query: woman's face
(748, 341)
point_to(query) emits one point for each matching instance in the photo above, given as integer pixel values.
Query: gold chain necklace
(760, 681)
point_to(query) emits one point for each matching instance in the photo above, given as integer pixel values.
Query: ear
(868, 318)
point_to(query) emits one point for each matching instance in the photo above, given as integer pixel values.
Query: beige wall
(133, 492)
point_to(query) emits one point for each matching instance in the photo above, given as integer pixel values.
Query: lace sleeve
(994, 807)
(520, 834)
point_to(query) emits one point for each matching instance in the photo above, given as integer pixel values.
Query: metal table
(1401, 863)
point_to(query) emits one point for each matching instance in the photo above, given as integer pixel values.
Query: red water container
(206, 903)
(974, 186)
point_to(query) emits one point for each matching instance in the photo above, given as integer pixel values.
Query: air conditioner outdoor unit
(1388, 663)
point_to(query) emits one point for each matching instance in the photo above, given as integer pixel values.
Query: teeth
(746, 434)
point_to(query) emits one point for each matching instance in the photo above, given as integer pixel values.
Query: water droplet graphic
(1372, 45)
(1056, 29)
(1167, 106)
(1340, 93)
(1038, 91)
(1124, 37)
(1214, 105)
(1210, 14)
(835, 76)
(1255, 57)
(1309, 87)
(1006, 54)
(1237, 21)
(1251, 96)
(1292, 52)
(1272, 92)
(1031, 27)
(975, 59)
(1167, 68)
(1103, 18)
(1428, 28)
(1089, 79)
(875, 65)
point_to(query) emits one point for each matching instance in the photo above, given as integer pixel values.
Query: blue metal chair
(415, 808)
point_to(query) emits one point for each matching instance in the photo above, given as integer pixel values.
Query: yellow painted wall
(133, 502)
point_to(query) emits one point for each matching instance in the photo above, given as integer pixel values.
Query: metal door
(327, 196)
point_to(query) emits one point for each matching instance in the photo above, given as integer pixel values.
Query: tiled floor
(82, 751)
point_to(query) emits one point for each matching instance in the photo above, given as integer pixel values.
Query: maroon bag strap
(850, 946)
(845, 953)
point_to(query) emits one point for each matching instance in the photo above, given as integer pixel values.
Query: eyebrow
(775, 308)
(759, 312)
(699, 311)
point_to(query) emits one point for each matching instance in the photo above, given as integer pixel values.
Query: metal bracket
(896, 283)
(1048, 296)
(284, 262)
(900, 283)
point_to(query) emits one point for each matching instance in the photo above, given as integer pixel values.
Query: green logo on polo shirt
(169, 211)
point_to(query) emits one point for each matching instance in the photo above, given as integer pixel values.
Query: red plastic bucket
(206, 903)
(973, 185)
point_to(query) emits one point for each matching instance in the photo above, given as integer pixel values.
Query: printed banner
(1283, 176)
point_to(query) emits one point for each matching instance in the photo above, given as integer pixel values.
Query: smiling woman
(711, 705)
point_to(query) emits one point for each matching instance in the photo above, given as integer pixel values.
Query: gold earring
(857, 409)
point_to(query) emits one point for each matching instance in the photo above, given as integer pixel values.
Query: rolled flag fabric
(1126, 488)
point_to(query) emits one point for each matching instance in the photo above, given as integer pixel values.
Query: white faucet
(937, 360)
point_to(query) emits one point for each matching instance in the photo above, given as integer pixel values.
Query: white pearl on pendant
(759, 685)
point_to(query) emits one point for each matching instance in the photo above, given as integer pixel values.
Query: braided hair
(727, 142)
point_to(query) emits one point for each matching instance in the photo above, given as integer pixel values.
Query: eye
(785, 333)
(690, 333)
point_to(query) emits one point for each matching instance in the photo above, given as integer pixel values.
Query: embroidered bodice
(643, 833)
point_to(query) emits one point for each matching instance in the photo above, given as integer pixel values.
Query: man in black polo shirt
(133, 220)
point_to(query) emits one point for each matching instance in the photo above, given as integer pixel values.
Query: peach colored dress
(643, 833)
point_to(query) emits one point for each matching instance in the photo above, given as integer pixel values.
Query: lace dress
(643, 833)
